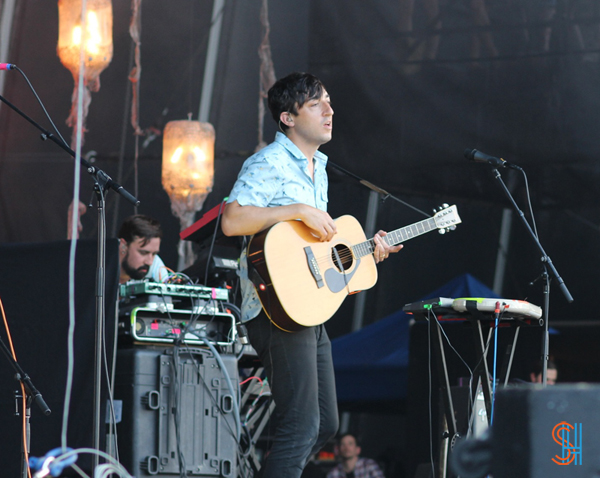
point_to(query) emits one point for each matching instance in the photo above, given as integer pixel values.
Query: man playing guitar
(285, 181)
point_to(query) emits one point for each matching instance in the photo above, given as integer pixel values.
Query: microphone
(7, 66)
(479, 157)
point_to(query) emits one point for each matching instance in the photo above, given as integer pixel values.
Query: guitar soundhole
(345, 256)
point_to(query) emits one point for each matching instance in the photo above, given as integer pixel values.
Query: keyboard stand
(481, 373)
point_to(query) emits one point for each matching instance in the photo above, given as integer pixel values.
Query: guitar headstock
(446, 218)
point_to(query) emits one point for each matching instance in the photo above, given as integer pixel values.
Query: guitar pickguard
(337, 281)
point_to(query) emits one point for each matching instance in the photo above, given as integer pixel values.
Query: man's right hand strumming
(248, 220)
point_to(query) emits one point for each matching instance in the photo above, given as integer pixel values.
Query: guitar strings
(346, 255)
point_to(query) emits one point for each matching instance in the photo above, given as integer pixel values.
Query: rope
(267, 71)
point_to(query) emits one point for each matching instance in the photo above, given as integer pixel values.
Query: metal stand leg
(510, 354)
(481, 371)
(444, 380)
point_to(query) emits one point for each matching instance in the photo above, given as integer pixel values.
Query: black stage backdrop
(403, 117)
(34, 291)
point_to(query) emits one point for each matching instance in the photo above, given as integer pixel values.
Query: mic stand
(31, 394)
(547, 265)
(375, 188)
(102, 182)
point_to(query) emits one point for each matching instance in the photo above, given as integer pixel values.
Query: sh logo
(569, 438)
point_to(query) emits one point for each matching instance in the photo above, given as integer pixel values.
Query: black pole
(102, 182)
(548, 266)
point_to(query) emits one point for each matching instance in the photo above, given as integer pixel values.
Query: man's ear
(287, 119)
(122, 245)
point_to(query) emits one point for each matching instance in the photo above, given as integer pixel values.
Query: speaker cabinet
(536, 431)
(177, 411)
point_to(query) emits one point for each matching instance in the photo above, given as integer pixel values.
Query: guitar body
(295, 295)
(301, 281)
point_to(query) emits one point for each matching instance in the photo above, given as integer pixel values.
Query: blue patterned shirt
(157, 271)
(277, 175)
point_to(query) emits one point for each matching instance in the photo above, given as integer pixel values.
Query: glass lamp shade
(96, 36)
(188, 162)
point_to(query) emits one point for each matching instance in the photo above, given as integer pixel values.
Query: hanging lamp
(95, 35)
(187, 172)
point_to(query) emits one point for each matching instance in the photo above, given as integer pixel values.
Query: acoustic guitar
(301, 281)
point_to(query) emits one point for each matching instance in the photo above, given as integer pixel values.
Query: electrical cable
(236, 409)
(66, 457)
(430, 393)
(529, 203)
(201, 333)
(471, 374)
(23, 394)
(73, 244)
(498, 312)
(41, 104)
(173, 407)
(112, 432)
(212, 242)
(218, 406)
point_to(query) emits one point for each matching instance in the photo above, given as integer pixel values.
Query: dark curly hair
(142, 226)
(291, 92)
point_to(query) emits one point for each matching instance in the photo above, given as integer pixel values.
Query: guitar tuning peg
(445, 205)
(442, 231)
(435, 209)
(452, 228)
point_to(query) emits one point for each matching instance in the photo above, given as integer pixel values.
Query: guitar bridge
(314, 267)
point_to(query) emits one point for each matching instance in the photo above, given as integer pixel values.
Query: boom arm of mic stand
(101, 176)
(377, 189)
(545, 258)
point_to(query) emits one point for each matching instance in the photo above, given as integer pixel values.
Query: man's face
(348, 448)
(551, 376)
(137, 257)
(313, 125)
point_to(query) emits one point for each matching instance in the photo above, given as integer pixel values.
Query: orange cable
(23, 394)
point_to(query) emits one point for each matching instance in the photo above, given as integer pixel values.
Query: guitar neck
(396, 237)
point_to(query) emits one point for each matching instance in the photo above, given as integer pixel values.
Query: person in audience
(351, 464)
(536, 372)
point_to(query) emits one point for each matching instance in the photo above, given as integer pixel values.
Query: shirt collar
(294, 150)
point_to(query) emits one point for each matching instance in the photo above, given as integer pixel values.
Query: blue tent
(371, 365)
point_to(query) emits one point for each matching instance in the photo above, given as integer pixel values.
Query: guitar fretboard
(396, 237)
